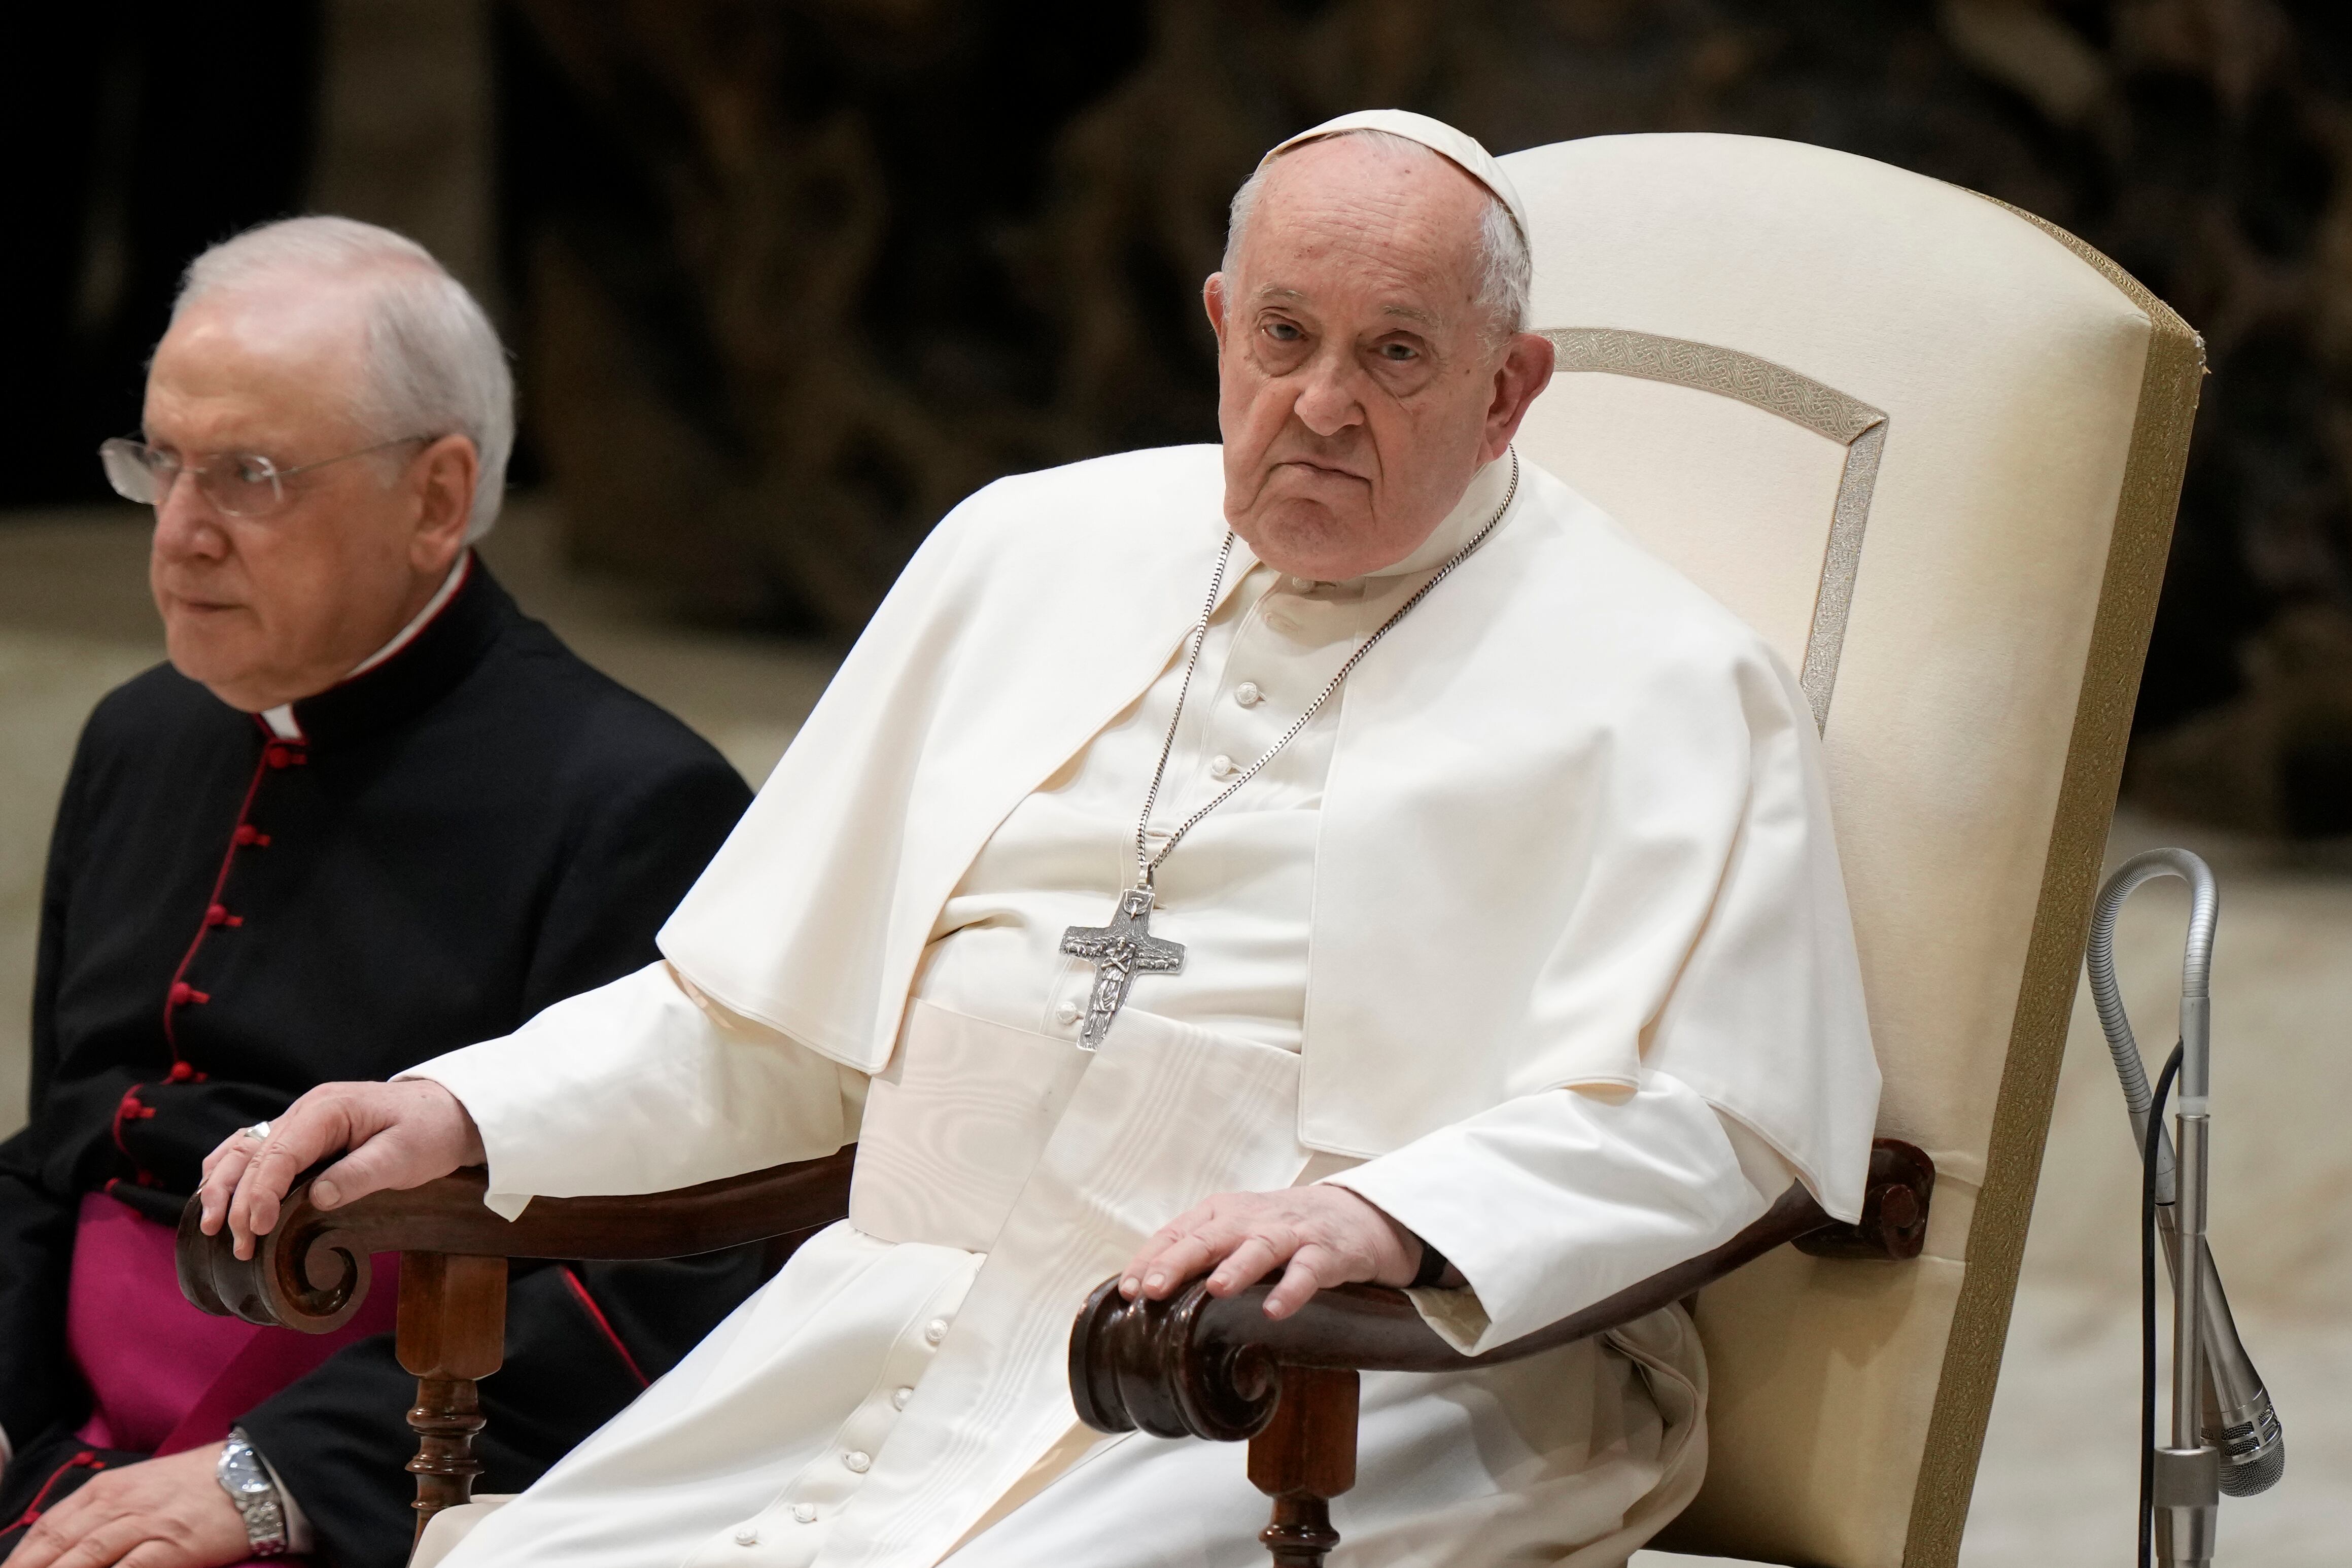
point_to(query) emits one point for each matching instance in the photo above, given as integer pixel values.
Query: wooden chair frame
(1192, 1365)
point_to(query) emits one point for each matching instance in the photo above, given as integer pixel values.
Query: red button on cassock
(181, 1072)
(277, 756)
(217, 915)
(183, 993)
(245, 833)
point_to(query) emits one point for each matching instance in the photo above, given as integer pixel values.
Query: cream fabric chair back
(1930, 446)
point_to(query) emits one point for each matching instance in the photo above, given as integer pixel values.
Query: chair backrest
(1930, 446)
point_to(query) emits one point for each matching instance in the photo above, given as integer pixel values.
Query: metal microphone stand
(2237, 1446)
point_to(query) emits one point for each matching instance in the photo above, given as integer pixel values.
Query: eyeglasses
(241, 484)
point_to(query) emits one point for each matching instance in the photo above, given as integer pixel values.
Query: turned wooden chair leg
(452, 1330)
(1304, 1458)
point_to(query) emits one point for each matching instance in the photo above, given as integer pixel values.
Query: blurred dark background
(785, 279)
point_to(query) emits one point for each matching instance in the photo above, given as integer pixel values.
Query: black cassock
(473, 829)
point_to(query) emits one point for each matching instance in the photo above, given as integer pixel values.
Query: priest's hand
(400, 1135)
(1317, 1235)
(163, 1513)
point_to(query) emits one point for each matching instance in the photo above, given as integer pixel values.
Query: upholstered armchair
(1929, 445)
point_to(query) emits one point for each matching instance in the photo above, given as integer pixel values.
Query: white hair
(1505, 270)
(434, 365)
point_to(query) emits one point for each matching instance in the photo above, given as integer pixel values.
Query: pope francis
(1339, 853)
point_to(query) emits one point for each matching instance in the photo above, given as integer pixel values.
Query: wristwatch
(248, 1483)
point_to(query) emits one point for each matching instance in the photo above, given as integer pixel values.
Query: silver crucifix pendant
(1119, 951)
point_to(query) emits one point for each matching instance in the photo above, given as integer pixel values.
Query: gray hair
(434, 365)
(1505, 270)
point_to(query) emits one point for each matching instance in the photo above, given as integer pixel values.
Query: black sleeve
(39, 1389)
(641, 849)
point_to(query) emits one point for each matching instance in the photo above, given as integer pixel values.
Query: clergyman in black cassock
(478, 827)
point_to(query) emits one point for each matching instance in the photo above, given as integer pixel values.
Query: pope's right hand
(400, 1135)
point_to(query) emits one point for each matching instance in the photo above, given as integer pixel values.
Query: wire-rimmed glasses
(240, 484)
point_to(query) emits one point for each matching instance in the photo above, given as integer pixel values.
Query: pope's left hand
(1317, 1235)
(159, 1513)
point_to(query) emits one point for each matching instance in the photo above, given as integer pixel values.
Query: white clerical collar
(1479, 498)
(280, 719)
(407, 634)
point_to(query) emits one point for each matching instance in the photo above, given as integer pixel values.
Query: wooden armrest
(1195, 1365)
(312, 1273)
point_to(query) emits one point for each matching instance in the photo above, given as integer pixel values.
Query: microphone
(2234, 1411)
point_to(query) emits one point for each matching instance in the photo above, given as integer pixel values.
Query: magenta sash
(163, 1376)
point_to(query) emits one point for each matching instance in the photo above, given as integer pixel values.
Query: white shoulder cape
(1575, 823)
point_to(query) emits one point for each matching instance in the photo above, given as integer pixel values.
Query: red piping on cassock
(580, 1289)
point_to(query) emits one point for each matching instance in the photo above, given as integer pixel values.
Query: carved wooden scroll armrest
(1195, 1365)
(312, 1273)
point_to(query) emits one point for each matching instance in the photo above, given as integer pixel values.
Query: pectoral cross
(1119, 951)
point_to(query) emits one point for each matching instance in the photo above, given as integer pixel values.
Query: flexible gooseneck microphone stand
(2225, 1434)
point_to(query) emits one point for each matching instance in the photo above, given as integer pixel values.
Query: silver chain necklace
(1126, 947)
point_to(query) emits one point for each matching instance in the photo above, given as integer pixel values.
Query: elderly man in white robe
(1450, 903)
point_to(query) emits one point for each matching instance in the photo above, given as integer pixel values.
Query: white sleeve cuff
(1557, 1201)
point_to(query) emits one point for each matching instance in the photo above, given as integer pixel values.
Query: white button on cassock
(1301, 584)
(1248, 695)
(858, 1460)
(1223, 767)
(747, 1538)
(899, 1400)
(804, 1512)
(936, 1330)
(1066, 1013)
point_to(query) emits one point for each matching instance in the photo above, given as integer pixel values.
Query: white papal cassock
(1535, 937)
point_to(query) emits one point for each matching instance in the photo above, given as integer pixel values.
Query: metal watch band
(255, 1496)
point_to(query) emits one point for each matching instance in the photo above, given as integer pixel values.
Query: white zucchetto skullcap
(1440, 138)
